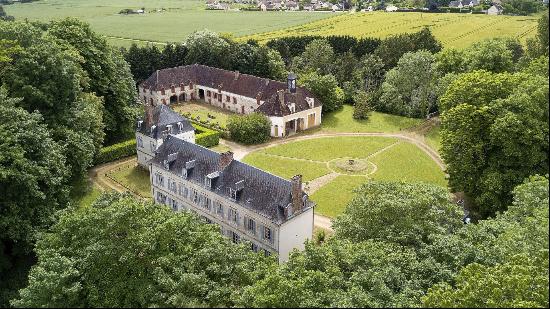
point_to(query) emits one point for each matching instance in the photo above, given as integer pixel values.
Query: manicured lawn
(286, 168)
(406, 162)
(333, 197)
(343, 121)
(456, 30)
(133, 177)
(328, 148)
(203, 110)
(433, 138)
(177, 20)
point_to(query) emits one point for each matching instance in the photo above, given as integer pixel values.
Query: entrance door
(173, 99)
(310, 120)
(201, 94)
(242, 109)
(276, 130)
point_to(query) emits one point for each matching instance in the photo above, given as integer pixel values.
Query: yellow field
(456, 30)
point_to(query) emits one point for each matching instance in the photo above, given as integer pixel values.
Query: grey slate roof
(162, 117)
(234, 82)
(263, 192)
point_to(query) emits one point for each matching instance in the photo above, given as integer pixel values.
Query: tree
(123, 252)
(345, 274)
(108, 76)
(521, 7)
(363, 105)
(493, 140)
(32, 187)
(538, 46)
(450, 60)
(401, 213)
(493, 55)
(254, 128)
(208, 48)
(408, 89)
(344, 67)
(318, 57)
(325, 88)
(143, 61)
(506, 257)
(393, 48)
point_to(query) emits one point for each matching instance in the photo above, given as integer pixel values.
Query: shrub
(364, 104)
(206, 137)
(249, 129)
(116, 151)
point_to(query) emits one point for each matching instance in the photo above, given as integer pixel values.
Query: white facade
(235, 221)
(235, 103)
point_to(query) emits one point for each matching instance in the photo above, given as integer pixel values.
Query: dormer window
(186, 171)
(180, 126)
(234, 193)
(162, 91)
(210, 179)
(169, 128)
(139, 123)
(292, 108)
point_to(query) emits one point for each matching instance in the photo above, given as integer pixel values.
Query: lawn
(134, 178)
(286, 168)
(407, 162)
(84, 193)
(333, 197)
(453, 30)
(433, 138)
(395, 159)
(343, 121)
(180, 18)
(202, 110)
(328, 148)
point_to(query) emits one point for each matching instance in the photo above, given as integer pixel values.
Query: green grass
(203, 110)
(84, 193)
(133, 177)
(328, 148)
(180, 18)
(407, 162)
(433, 138)
(333, 197)
(343, 121)
(286, 168)
(456, 30)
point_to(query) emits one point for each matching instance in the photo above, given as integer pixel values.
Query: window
(219, 209)
(173, 89)
(207, 203)
(219, 97)
(215, 96)
(159, 180)
(140, 142)
(233, 216)
(195, 197)
(254, 247)
(235, 237)
(227, 98)
(267, 253)
(161, 198)
(250, 225)
(208, 93)
(153, 148)
(162, 91)
(174, 204)
(190, 86)
(234, 100)
(267, 234)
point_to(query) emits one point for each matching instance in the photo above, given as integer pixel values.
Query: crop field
(452, 29)
(352, 161)
(180, 18)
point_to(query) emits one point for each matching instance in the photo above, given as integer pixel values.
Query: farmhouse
(290, 108)
(273, 214)
(156, 125)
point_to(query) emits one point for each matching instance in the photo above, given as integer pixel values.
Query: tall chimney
(148, 114)
(296, 193)
(225, 160)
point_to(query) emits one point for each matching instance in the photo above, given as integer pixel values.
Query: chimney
(237, 75)
(296, 193)
(148, 115)
(281, 94)
(225, 160)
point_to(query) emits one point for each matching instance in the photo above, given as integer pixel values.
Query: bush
(116, 151)
(249, 129)
(206, 137)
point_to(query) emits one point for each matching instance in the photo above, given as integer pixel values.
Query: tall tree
(325, 88)
(208, 48)
(123, 252)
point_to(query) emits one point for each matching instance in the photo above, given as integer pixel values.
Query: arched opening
(201, 94)
(173, 99)
(182, 97)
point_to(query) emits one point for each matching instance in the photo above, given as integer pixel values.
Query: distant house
(463, 3)
(494, 10)
(336, 7)
(391, 8)
(292, 5)
(217, 6)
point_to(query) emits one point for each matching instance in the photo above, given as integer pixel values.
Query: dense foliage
(206, 137)
(325, 88)
(116, 151)
(249, 129)
(122, 252)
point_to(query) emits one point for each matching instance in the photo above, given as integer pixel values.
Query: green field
(132, 177)
(202, 110)
(392, 159)
(180, 18)
(456, 30)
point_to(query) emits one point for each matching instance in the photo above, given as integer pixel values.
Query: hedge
(206, 137)
(116, 151)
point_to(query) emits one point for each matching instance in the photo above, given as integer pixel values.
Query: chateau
(273, 214)
(290, 108)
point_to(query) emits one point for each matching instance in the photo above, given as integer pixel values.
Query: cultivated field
(180, 18)
(456, 30)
